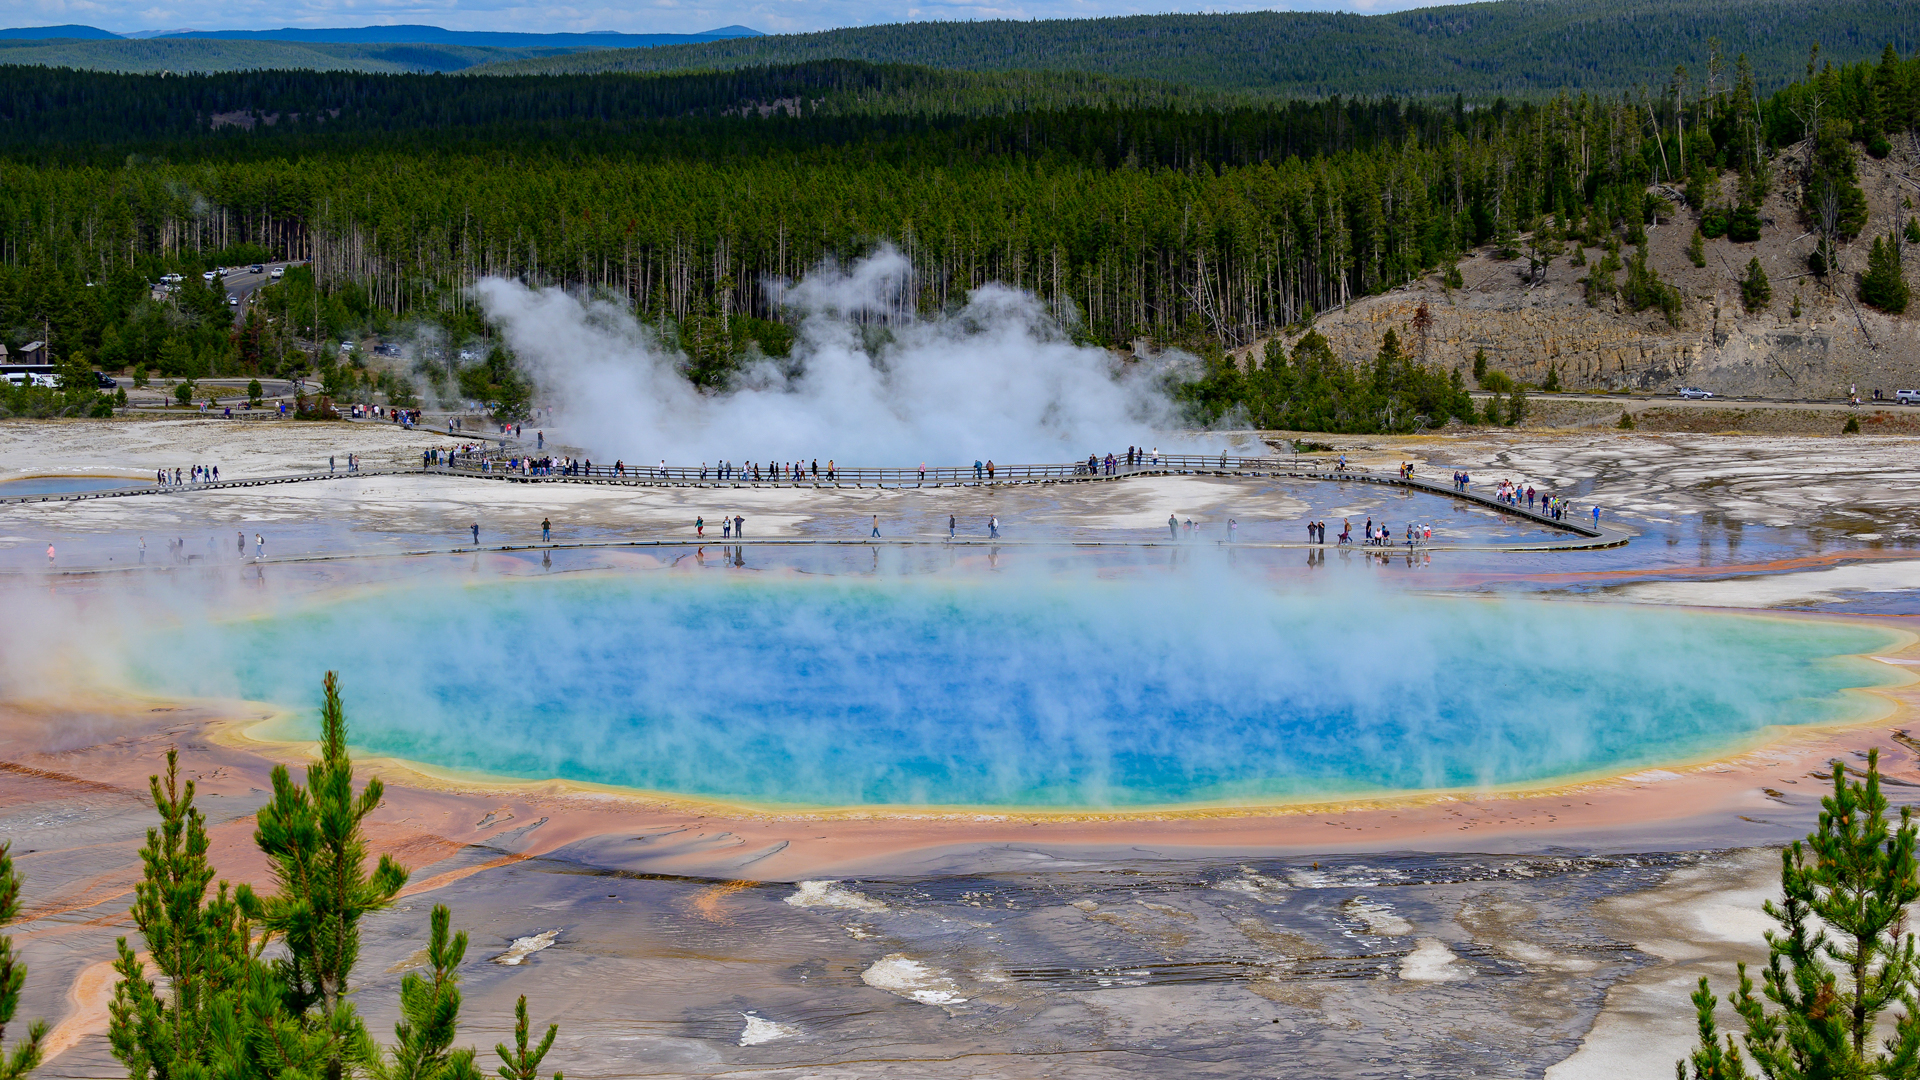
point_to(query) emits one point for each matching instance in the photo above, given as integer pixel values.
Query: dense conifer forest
(1135, 210)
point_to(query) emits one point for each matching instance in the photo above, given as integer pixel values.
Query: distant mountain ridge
(403, 34)
(410, 34)
(69, 32)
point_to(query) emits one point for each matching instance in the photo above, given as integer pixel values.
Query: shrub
(1852, 426)
(183, 391)
(1743, 225)
(1697, 249)
(253, 391)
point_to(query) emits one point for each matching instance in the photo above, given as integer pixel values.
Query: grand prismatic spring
(1070, 791)
(980, 691)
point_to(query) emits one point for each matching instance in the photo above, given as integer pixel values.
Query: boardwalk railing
(812, 473)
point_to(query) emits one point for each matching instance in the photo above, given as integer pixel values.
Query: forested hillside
(1202, 226)
(1512, 47)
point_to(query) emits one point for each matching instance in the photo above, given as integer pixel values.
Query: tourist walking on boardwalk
(1173, 527)
(993, 528)
(259, 547)
(876, 524)
(1596, 515)
(951, 522)
(699, 526)
(739, 526)
(476, 532)
(1233, 527)
(239, 543)
(143, 548)
(546, 530)
(49, 554)
(976, 468)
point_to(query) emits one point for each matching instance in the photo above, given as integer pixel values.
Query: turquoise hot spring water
(1155, 690)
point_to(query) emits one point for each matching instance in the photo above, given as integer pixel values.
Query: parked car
(172, 279)
(1694, 393)
(1906, 397)
(209, 275)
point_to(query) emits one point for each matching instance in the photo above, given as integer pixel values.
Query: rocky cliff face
(1834, 343)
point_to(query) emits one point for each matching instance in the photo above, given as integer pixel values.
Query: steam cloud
(997, 379)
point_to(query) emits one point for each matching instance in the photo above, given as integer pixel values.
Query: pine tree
(199, 946)
(430, 1015)
(1755, 291)
(1697, 249)
(25, 1056)
(1884, 285)
(1843, 955)
(220, 1009)
(521, 1063)
(313, 842)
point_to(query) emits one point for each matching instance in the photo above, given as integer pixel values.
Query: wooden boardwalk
(1581, 534)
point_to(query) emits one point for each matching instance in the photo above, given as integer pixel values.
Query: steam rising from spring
(1021, 689)
(996, 379)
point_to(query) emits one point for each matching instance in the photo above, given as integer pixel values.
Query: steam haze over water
(1012, 691)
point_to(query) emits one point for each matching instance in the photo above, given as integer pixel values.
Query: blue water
(63, 485)
(1004, 692)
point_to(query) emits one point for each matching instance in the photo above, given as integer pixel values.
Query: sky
(636, 17)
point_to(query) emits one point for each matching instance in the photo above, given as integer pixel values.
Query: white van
(51, 382)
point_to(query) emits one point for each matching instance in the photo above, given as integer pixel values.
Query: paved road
(241, 283)
(1636, 401)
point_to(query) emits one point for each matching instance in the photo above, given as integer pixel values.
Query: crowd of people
(198, 474)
